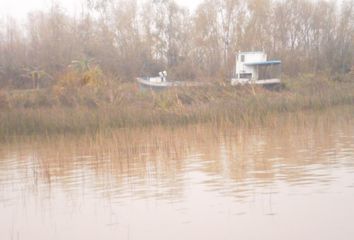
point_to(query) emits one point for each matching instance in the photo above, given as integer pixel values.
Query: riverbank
(91, 110)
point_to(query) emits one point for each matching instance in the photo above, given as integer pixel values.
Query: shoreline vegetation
(62, 72)
(87, 109)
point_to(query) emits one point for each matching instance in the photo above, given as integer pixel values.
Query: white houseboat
(254, 68)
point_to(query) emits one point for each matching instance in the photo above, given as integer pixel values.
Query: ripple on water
(182, 183)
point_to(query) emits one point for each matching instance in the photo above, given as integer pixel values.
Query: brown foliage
(129, 39)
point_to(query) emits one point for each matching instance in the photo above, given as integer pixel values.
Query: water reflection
(184, 183)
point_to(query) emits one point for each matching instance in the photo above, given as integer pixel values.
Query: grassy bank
(91, 110)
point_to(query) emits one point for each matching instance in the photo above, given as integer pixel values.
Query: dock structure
(254, 68)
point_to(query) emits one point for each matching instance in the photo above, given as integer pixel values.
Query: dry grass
(88, 111)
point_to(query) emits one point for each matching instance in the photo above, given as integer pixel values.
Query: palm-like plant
(81, 65)
(89, 72)
(36, 75)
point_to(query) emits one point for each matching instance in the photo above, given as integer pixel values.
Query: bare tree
(128, 38)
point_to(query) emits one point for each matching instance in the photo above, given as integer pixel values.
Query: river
(290, 178)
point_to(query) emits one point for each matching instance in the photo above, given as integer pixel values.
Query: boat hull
(145, 83)
(243, 81)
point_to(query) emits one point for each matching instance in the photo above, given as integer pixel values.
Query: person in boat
(163, 76)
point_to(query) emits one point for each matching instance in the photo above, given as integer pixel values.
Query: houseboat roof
(273, 62)
(251, 52)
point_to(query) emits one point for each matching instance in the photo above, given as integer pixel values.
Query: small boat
(156, 82)
(161, 82)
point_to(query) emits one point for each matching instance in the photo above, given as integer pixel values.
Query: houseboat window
(242, 58)
(246, 75)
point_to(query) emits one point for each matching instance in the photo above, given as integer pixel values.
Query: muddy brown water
(290, 179)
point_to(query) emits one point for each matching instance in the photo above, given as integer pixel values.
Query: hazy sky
(20, 8)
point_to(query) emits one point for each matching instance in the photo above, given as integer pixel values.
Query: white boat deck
(243, 81)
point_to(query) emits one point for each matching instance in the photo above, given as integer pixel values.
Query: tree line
(129, 38)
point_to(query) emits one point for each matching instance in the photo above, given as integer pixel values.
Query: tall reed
(215, 104)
